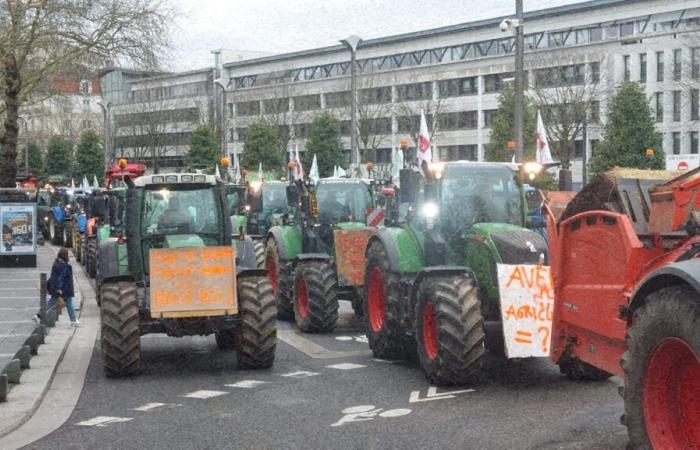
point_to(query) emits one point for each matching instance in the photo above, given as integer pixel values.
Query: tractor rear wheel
(278, 280)
(56, 231)
(78, 246)
(256, 340)
(83, 250)
(315, 297)
(662, 371)
(259, 254)
(120, 335)
(386, 337)
(449, 329)
(91, 257)
(68, 235)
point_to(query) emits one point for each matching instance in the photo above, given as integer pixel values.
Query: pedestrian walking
(60, 284)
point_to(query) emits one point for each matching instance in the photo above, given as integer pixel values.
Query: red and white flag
(425, 152)
(542, 153)
(298, 169)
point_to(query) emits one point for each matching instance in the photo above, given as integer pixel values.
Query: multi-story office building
(456, 72)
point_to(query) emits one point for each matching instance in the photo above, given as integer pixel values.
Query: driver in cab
(330, 207)
(176, 216)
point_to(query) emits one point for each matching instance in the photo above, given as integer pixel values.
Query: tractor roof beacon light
(122, 163)
(224, 163)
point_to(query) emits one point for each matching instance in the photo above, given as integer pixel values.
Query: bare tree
(565, 94)
(374, 111)
(39, 38)
(408, 116)
(277, 113)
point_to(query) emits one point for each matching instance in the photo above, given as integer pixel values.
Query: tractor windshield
(178, 211)
(343, 201)
(234, 198)
(275, 197)
(478, 194)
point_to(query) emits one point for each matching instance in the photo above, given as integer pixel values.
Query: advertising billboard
(18, 224)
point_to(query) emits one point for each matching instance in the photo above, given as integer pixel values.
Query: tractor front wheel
(256, 339)
(259, 254)
(449, 329)
(386, 337)
(56, 231)
(278, 281)
(315, 297)
(91, 256)
(662, 371)
(120, 335)
(68, 235)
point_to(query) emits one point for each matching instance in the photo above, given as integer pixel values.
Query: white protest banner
(687, 161)
(527, 304)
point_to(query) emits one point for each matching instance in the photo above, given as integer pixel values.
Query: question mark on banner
(545, 339)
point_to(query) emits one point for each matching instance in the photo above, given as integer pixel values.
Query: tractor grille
(515, 247)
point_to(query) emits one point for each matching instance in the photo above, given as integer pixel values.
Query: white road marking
(204, 394)
(300, 374)
(433, 394)
(246, 384)
(361, 338)
(103, 421)
(386, 361)
(152, 406)
(345, 366)
(343, 338)
(311, 348)
(363, 413)
(395, 412)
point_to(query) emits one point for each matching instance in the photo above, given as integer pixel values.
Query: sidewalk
(19, 302)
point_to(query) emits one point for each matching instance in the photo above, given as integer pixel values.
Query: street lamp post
(25, 120)
(222, 118)
(517, 26)
(109, 157)
(351, 43)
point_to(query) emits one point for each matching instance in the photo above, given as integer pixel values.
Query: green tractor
(430, 275)
(255, 208)
(302, 256)
(173, 271)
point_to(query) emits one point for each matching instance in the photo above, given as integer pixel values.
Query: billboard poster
(687, 161)
(18, 222)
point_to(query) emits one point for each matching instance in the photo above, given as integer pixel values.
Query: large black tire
(662, 371)
(56, 230)
(68, 234)
(83, 250)
(120, 336)
(381, 302)
(259, 254)
(280, 283)
(91, 257)
(356, 300)
(45, 230)
(78, 246)
(315, 296)
(256, 340)
(449, 329)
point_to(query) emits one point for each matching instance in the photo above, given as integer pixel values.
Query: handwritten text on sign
(527, 304)
(194, 281)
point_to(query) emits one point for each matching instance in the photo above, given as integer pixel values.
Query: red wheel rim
(430, 339)
(302, 298)
(375, 299)
(272, 273)
(672, 396)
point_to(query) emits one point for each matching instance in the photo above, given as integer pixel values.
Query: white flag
(260, 171)
(298, 169)
(341, 172)
(95, 184)
(72, 184)
(217, 173)
(313, 173)
(335, 171)
(85, 185)
(542, 153)
(425, 152)
(236, 168)
(396, 165)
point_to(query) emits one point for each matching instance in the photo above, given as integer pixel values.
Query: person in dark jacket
(60, 284)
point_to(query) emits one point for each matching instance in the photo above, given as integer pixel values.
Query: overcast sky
(280, 26)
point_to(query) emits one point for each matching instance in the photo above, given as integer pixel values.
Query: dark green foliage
(36, 160)
(261, 145)
(89, 157)
(59, 157)
(502, 129)
(629, 130)
(324, 141)
(204, 149)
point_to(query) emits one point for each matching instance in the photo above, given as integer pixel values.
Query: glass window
(488, 117)
(275, 197)
(642, 67)
(659, 107)
(251, 108)
(627, 29)
(595, 72)
(338, 99)
(694, 100)
(676, 143)
(458, 87)
(659, 66)
(276, 105)
(693, 142)
(414, 91)
(596, 34)
(626, 67)
(677, 64)
(612, 31)
(171, 211)
(595, 112)
(695, 63)
(676, 106)
(373, 96)
(307, 102)
(343, 201)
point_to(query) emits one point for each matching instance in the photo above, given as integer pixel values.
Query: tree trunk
(9, 137)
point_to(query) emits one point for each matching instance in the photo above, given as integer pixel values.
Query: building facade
(456, 73)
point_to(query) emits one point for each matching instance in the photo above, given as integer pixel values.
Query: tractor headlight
(430, 210)
(46, 219)
(532, 169)
(437, 168)
(255, 185)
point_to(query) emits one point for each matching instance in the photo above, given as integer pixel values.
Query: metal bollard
(42, 298)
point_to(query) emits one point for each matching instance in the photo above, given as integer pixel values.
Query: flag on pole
(217, 173)
(298, 169)
(341, 172)
(396, 165)
(425, 152)
(261, 176)
(236, 168)
(313, 173)
(95, 184)
(85, 185)
(335, 171)
(542, 154)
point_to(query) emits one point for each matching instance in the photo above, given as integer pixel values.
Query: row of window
(198, 88)
(677, 65)
(676, 140)
(474, 50)
(150, 118)
(694, 96)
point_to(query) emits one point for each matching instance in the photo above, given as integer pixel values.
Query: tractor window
(275, 198)
(343, 201)
(234, 199)
(478, 194)
(171, 211)
(43, 199)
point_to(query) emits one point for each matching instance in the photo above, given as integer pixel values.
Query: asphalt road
(190, 395)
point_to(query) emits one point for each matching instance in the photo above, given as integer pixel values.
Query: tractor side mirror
(407, 193)
(292, 196)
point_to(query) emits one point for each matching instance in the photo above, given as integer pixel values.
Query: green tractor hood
(183, 240)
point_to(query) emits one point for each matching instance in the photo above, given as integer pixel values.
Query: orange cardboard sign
(192, 282)
(350, 255)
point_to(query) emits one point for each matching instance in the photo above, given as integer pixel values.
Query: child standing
(60, 284)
